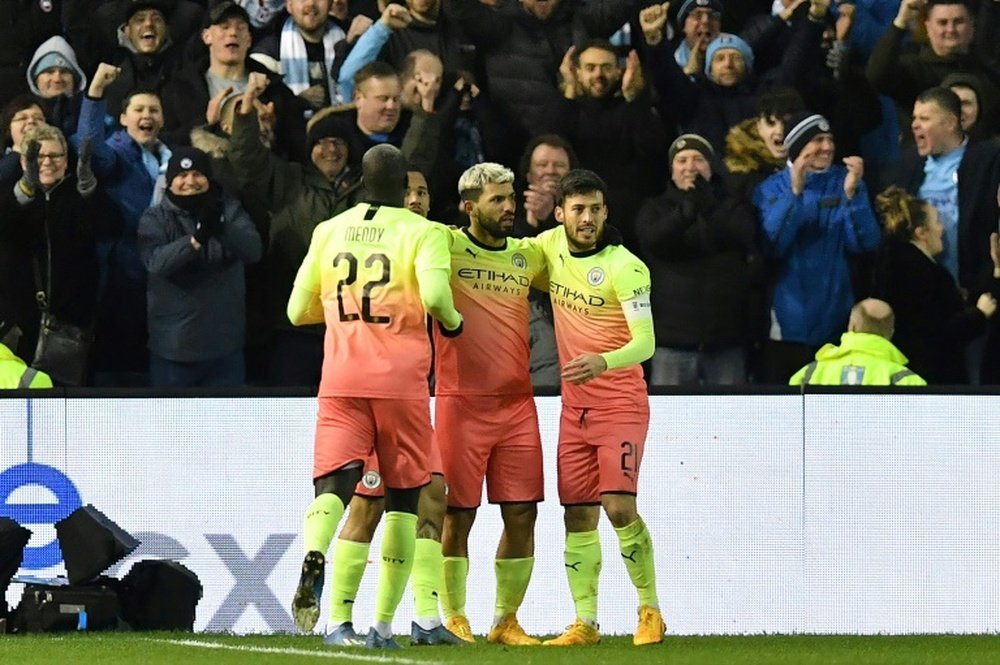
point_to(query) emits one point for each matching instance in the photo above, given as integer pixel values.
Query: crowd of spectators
(745, 146)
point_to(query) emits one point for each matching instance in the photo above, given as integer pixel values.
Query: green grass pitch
(184, 649)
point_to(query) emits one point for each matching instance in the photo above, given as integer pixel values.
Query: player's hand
(652, 20)
(855, 171)
(584, 368)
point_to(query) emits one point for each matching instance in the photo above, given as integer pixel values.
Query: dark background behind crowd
(743, 144)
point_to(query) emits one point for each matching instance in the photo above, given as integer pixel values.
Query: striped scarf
(295, 61)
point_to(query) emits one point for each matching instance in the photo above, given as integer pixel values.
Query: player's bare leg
(514, 561)
(455, 547)
(636, 547)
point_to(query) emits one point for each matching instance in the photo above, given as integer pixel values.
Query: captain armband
(638, 308)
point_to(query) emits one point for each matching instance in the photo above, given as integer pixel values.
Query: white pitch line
(341, 654)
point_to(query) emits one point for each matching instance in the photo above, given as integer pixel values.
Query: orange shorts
(398, 431)
(491, 437)
(599, 451)
(371, 484)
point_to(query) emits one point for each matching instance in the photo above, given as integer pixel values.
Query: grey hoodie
(60, 47)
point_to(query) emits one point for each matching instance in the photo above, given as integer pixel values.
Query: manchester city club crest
(371, 480)
(186, 163)
(519, 261)
(595, 277)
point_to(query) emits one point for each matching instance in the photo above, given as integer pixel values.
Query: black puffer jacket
(67, 219)
(522, 54)
(699, 248)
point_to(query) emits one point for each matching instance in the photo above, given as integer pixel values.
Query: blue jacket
(118, 165)
(811, 236)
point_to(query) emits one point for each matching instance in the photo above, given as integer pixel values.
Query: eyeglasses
(52, 157)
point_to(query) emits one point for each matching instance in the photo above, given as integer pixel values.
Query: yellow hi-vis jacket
(862, 359)
(15, 374)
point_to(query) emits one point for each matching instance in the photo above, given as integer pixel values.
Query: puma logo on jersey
(471, 253)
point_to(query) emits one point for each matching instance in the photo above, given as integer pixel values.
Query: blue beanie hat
(728, 41)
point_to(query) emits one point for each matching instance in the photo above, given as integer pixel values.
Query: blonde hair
(42, 133)
(902, 213)
(472, 183)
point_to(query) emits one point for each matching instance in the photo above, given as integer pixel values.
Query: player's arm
(304, 307)
(434, 280)
(435, 294)
(640, 325)
(589, 366)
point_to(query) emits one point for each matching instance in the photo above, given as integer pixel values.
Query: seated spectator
(299, 196)
(194, 244)
(865, 357)
(699, 246)
(934, 320)
(56, 78)
(814, 216)
(14, 373)
(304, 52)
(20, 115)
(47, 238)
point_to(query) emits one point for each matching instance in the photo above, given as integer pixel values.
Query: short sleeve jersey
(490, 285)
(364, 264)
(587, 293)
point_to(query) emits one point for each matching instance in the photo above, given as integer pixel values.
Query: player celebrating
(350, 554)
(485, 420)
(372, 273)
(604, 330)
